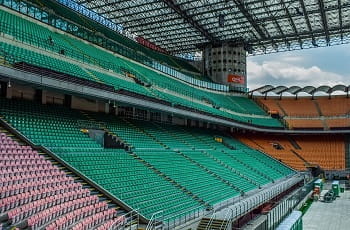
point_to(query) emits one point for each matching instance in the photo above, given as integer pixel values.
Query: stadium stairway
(300, 157)
(212, 224)
(263, 159)
(184, 189)
(93, 76)
(139, 129)
(281, 109)
(211, 172)
(26, 208)
(319, 111)
(175, 137)
(293, 142)
(223, 161)
(324, 123)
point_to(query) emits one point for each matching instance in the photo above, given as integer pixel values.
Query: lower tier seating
(301, 151)
(305, 113)
(36, 194)
(160, 172)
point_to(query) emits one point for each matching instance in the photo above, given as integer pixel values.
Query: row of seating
(320, 123)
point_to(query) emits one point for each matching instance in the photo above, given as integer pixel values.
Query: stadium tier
(37, 194)
(307, 113)
(327, 151)
(186, 164)
(177, 63)
(124, 46)
(63, 53)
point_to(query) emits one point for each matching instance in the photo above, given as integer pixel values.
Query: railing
(211, 220)
(228, 219)
(130, 222)
(88, 124)
(240, 204)
(156, 221)
(284, 208)
(182, 218)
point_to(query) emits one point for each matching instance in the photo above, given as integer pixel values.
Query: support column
(44, 97)
(3, 89)
(148, 116)
(107, 108)
(9, 91)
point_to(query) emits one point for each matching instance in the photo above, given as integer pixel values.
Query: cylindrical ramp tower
(226, 64)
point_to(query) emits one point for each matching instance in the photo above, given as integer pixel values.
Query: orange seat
(328, 151)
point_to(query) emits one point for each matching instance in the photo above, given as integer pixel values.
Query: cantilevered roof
(296, 89)
(263, 26)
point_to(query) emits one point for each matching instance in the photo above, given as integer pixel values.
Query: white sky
(315, 67)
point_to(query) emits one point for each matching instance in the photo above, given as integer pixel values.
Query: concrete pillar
(148, 116)
(107, 108)
(9, 91)
(44, 97)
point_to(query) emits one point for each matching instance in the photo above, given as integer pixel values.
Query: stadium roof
(279, 90)
(263, 26)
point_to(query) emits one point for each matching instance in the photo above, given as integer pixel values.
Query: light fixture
(9, 84)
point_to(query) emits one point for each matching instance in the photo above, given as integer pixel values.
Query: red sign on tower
(235, 79)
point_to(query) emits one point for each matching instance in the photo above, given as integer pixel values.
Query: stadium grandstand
(136, 114)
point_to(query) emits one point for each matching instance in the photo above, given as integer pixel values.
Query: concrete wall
(21, 91)
(53, 98)
(85, 104)
(179, 121)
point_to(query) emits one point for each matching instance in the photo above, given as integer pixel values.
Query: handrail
(211, 220)
(186, 215)
(128, 219)
(227, 221)
(155, 220)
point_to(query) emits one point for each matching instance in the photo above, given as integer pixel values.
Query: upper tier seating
(178, 63)
(334, 106)
(142, 177)
(326, 151)
(291, 107)
(36, 194)
(98, 61)
(338, 123)
(305, 123)
(306, 113)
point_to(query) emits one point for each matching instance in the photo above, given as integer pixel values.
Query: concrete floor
(329, 216)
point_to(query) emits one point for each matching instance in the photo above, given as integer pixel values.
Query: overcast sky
(319, 66)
